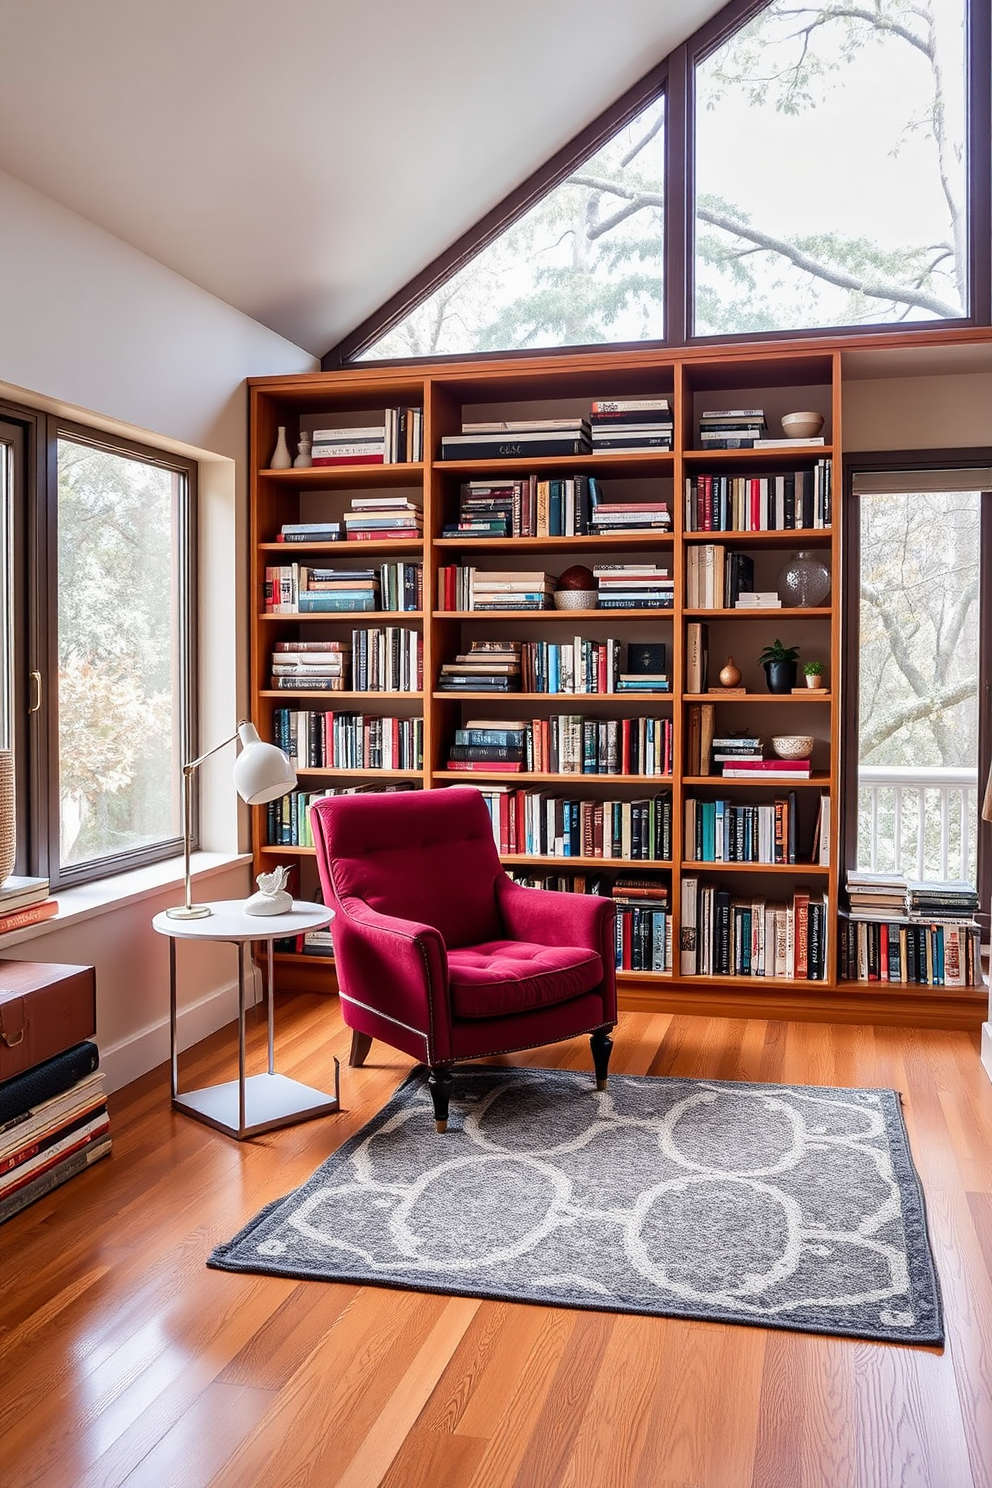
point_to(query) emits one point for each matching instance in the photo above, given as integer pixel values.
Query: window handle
(36, 687)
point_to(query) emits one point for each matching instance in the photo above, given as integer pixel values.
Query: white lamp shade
(261, 771)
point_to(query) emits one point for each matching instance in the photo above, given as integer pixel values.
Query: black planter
(781, 675)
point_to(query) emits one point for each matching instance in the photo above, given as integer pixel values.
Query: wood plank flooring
(125, 1361)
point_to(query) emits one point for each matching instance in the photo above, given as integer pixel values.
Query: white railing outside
(918, 822)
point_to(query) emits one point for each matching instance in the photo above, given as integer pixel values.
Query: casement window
(98, 555)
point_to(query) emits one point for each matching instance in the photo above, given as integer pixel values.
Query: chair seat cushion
(500, 977)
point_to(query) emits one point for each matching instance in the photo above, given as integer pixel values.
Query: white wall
(91, 328)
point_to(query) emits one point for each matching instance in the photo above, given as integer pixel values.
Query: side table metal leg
(272, 1040)
(173, 1021)
(242, 1120)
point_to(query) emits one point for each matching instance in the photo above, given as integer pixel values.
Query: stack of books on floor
(317, 666)
(53, 1125)
(634, 586)
(487, 666)
(25, 901)
(489, 744)
(643, 924)
(631, 425)
(311, 532)
(630, 516)
(373, 518)
(517, 439)
(731, 428)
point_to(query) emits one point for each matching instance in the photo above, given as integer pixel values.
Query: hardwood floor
(126, 1361)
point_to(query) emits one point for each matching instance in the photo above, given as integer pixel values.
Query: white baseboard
(121, 1063)
(987, 1048)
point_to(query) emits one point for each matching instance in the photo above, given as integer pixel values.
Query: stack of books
(760, 770)
(731, 428)
(510, 589)
(646, 668)
(358, 446)
(311, 666)
(630, 516)
(311, 532)
(336, 590)
(735, 749)
(877, 896)
(372, 518)
(53, 1124)
(758, 599)
(488, 666)
(941, 899)
(634, 586)
(489, 744)
(643, 924)
(631, 425)
(515, 439)
(490, 509)
(25, 901)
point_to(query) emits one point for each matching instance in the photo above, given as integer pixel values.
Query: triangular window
(583, 265)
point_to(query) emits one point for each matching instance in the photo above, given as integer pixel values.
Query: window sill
(88, 901)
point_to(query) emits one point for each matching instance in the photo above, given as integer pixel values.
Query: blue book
(327, 601)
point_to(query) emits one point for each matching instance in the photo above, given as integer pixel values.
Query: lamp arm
(188, 769)
(192, 764)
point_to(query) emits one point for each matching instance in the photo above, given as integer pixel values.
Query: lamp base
(189, 912)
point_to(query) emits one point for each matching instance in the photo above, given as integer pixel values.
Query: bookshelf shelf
(694, 380)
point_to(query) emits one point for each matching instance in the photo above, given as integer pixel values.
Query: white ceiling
(303, 159)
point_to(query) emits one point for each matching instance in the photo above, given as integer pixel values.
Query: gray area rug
(784, 1206)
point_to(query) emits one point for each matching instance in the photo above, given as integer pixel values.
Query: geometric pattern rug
(777, 1205)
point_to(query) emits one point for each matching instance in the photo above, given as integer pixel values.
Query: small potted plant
(813, 672)
(780, 664)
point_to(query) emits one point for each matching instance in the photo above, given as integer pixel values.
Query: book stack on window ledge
(25, 901)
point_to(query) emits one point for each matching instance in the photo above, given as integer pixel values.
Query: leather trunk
(45, 1009)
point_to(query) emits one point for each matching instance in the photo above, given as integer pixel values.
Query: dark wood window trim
(675, 76)
(949, 459)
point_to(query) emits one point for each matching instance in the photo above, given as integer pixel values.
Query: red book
(383, 534)
(506, 767)
(798, 767)
(31, 915)
(348, 460)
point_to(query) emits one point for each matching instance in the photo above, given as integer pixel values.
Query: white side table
(251, 1103)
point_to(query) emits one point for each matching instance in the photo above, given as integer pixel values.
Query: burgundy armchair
(439, 953)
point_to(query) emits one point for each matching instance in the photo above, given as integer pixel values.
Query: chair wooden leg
(439, 1085)
(361, 1043)
(602, 1047)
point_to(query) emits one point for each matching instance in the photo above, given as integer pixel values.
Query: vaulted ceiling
(303, 159)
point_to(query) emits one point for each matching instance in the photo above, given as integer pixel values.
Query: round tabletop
(227, 921)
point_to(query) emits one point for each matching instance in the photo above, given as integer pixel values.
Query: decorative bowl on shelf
(793, 746)
(801, 425)
(576, 599)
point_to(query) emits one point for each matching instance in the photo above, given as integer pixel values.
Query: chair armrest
(397, 967)
(547, 917)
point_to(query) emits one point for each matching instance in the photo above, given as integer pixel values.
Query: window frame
(898, 460)
(675, 77)
(35, 623)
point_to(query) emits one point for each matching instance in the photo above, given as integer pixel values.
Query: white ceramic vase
(281, 458)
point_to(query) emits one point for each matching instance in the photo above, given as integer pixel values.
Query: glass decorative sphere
(804, 582)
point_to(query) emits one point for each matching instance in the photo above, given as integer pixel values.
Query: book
(512, 448)
(31, 914)
(18, 893)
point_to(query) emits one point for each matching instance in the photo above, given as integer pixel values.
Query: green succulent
(813, 668)
(777, 652)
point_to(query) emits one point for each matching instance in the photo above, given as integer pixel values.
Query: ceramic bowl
(793, 746)
(576, 599)
(801, 425)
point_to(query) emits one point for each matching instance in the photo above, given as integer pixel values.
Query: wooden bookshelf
(695, 380)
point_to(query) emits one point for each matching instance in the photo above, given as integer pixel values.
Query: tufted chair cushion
(500, 977)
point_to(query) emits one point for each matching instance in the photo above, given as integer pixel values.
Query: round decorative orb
(793, 746)
(730, 675)
(576, 599)
(804, 582)
(577, 577)
(801, 425)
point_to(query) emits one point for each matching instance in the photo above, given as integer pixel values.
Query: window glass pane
(6, 591)
(583, 266)
(831, 169)
(918, 798)
(119, 634)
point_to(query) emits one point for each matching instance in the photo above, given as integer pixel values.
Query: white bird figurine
(272, 897)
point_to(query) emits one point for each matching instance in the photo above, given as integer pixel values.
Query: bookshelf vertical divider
(697, 380)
